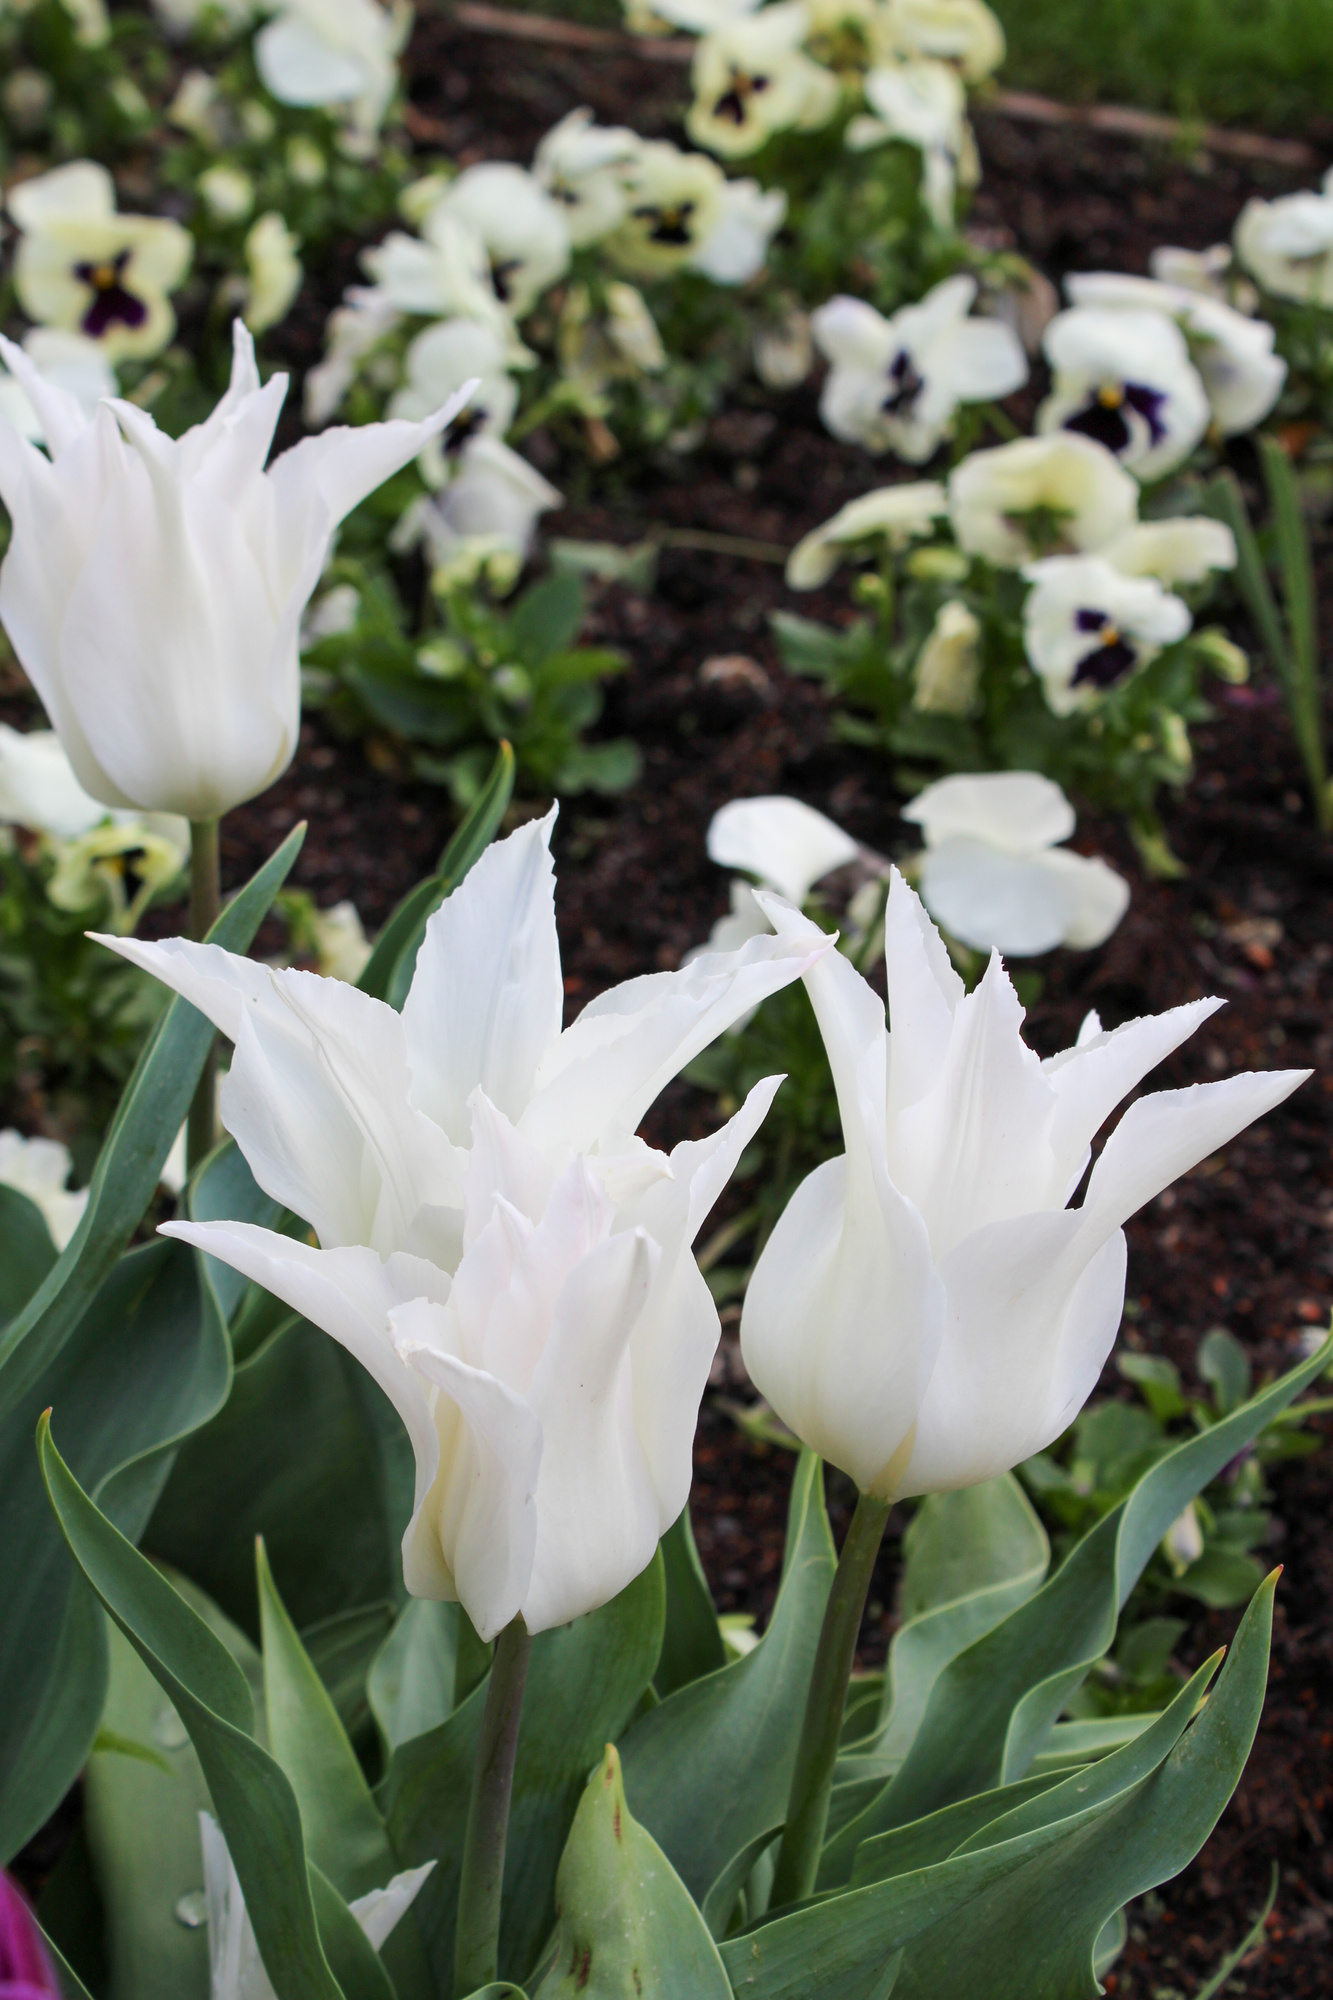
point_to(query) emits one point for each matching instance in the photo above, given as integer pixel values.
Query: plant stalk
(477, 1940)
(205, 900)
(812, 1780)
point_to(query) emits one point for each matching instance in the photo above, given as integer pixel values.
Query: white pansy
(892, 514)
(929, 1311)
(39, 1168)
(1232, 352)
(496, 1246)
(894, 384)
(439, 362)
(490, 506)
(81, 266)
(782, 842)
(153, 587)
(923, 104)
(962, 32)
(736, 247)
(1087, 627)
(752, 79)
(444, 273)
(69, 361)
(228, 192)
(1209, 272)
(1022, 499)
(1287, 244)
(274, 272)
(683, 213)
(947, 674)
(354, 329)
(579, 165)
(1183, 550)
(38, 788)
(995, 875)
(523, 230)
(337, 54)
(1125, 379)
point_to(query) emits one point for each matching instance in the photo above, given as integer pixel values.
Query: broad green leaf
(735, 1731)
(547, 618)
(344, 1834)
(411, 1682)
(627, 1924)
(142, 1133)
(585, 1681)
(1019, 1918)
(148, 1362)
(692, 1641)
(26, 1251)
(254, 1802)
(1225, 1367)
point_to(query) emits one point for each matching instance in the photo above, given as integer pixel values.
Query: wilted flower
(995, 875)
(275, 272)
(1287, 245)
(947, 674)
(893, 514)
(70, 361)
(632, 330)
(1087, 627)
(82, 266)
(1027, 498)
(962, 32)
(336, 53)
(751, 79)
(153, 587)
(39, 1169)
(1233, 353)
(1125, 379)
(579, 165)
(928, 1311)
(496, 1246)
(523, 230)
(489, 509)
(1183, 550)
(924, 105)
(894, 384)
(683, 213)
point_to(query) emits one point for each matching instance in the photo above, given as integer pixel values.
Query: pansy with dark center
(668, 225)
(502, 277)
(906, 383)
(111, 303)
(464, 427)
(1104, 417)
(1110, 659)
(734, 102)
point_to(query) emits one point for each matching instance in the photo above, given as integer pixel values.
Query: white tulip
(928, 1311)
(71, 362)
(153, 588)
(751, 79)
(335, 53)
(235, 1969)
(1126, 380)
(784, 843)
(947, 674)
(893, 514)
(923, 104)
(1232, 352)
(1020, 500)
(522, 228)
(39, 1169)
(963, 32)
(274, 272)
(1184, 550)
(578, 163)
(81, 266)
(1087, 627)
(994, 874)
(1287, 245)
(895, 384)
(496, 1247)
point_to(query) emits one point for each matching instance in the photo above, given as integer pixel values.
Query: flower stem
(477, 1940)
(812, 1780)
(205, 898)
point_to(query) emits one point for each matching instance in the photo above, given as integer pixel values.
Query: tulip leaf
(719, 1905)
(735, 1731)
(149, 1115)
(254, 1802)
(388, 971)
(353, 1959)
(411, 1680)
(71, 1985)
(148, 1362)
(692, 1642)
(993, 1705)
(26, 1251)
(1017, 1911)
(627, 1923)
(585, 1681)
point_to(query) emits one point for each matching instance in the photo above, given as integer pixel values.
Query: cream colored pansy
(1183, 550)
(895, 384)
(522, 229)
(892, 514)
(995, 875)
(337, 54)
(752, 79)
(947, 675)
(274, 272)
(438, 363)
(1037, 495)
(69, 361)
(39, 1169)
(783, 843)
(683, 214)
(81, 266)
(1087, 627)
(923, 104)
(962, 32)
(579, 165)
(1287, 245)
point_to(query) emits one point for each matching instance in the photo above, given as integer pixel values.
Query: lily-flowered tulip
(578, 163)
(924, 105)
(81, 266)
(684, 214)
(40, 1168)
(929, 1310)
(1126, 380)
(339, 54)
(1287, 245)
(521, 227)
(1232, 351)
(26, 1971)
(1027, 498)
(235, 1969)
(895, 384)
(995, 875)
(891, 514)
(153, 588)
(1087, 627)
(496, 1246)
(752, 79)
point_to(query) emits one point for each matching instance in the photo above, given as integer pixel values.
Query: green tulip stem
(205, 900)
(821, 1731)
(477, 1939)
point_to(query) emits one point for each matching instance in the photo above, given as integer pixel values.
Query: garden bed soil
(1247, 1239)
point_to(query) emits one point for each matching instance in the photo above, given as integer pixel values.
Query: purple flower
(26, 1972)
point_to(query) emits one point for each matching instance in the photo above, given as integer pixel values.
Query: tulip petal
(60, 414)
(1090, 1079)
(487, 994)
(924, 992)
